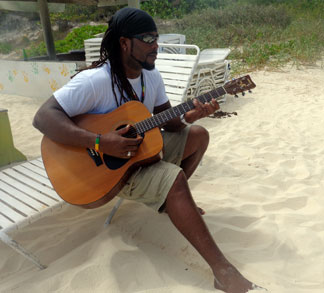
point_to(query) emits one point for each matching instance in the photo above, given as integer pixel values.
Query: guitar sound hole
(115, 163)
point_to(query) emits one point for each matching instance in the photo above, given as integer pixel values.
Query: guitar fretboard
(171, 113)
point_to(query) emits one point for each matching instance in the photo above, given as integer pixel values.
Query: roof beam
(80, 2)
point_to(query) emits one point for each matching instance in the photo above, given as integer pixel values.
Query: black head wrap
(128, 22)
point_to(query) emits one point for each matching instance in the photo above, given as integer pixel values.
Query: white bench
(26, 195)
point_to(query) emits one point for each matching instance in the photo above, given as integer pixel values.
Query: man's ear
(124, 43)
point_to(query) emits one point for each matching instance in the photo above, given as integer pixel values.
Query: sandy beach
(261, 184)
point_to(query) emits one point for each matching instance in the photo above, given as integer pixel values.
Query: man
(124, 72)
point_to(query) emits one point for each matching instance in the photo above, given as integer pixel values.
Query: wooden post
(47, 29)
(134, 3)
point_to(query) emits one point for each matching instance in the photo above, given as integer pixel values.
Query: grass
(259, 35)
(5, 48)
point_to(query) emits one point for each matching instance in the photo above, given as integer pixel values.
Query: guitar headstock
(239, 85)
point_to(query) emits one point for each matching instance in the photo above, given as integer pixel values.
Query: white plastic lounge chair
(172, 39)
(212, 71)
(177, 70)
(26, 195)
(92, 50)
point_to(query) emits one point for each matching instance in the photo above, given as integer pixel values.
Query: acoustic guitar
(90, 179)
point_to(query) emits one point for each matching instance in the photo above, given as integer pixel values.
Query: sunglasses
(147, 38)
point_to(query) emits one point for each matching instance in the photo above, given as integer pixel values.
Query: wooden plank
(92, 54)
(171, 69)
(177, 98)
(174, 90)
(35, 169)
(38, 163)
(174, 63)
(172, 82)
(33, 175)
(43, 198)
(83, 2)
(21, 196)
(21, 207)
(174, 76)
(4, 222)
(32, 183)
(11, 213)
(47, 29)
(184, 57)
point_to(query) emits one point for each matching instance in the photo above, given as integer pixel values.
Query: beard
(144, 64)
(147, 65)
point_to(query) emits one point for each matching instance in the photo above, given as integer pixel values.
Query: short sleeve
(77, 96)
(161, 94)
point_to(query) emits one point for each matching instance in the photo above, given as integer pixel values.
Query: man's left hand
(201, 110)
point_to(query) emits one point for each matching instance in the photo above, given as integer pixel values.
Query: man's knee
(199, 134)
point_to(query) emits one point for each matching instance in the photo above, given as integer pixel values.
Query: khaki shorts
(151, 184)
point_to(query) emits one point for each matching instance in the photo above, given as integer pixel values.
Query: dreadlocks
(127, 22)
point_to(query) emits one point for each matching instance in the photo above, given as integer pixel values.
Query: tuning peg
(236, 96)
(243, 93)
(250, 91)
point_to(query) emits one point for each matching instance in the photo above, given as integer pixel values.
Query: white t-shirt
(90, 91)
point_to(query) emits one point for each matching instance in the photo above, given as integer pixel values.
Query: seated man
(124, 72)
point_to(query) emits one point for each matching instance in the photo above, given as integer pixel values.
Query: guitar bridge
(95, 156)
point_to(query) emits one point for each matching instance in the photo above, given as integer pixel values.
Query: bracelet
(97, 142)
(183, 120)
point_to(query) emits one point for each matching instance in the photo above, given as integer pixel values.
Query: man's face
(144, 49)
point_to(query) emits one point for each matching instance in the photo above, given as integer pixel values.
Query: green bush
(73, 41)
(5, 48)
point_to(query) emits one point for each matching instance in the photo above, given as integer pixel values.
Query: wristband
(183, 120)
(97, 142)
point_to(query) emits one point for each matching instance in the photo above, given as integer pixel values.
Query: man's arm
(200, 111)
(52, 121)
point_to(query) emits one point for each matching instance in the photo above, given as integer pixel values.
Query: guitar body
(74, 174)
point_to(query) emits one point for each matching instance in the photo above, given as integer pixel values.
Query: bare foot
(230, 280)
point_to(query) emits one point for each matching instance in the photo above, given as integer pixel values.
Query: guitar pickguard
(114, 163)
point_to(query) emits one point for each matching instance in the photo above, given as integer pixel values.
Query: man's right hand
(116, 144)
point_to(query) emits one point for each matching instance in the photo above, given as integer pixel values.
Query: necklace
(143, 90)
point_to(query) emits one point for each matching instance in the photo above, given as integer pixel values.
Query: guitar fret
(138, 127)
(165, 118)
(168, 114)
(210, 96)
(156, 120)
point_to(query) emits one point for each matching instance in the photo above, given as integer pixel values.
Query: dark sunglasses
(147, 38)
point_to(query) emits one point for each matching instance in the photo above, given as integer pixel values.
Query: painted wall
(34, 79)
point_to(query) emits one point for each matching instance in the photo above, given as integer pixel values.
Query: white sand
(261, 184)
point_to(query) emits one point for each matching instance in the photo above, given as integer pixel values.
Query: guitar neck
(171, 113)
